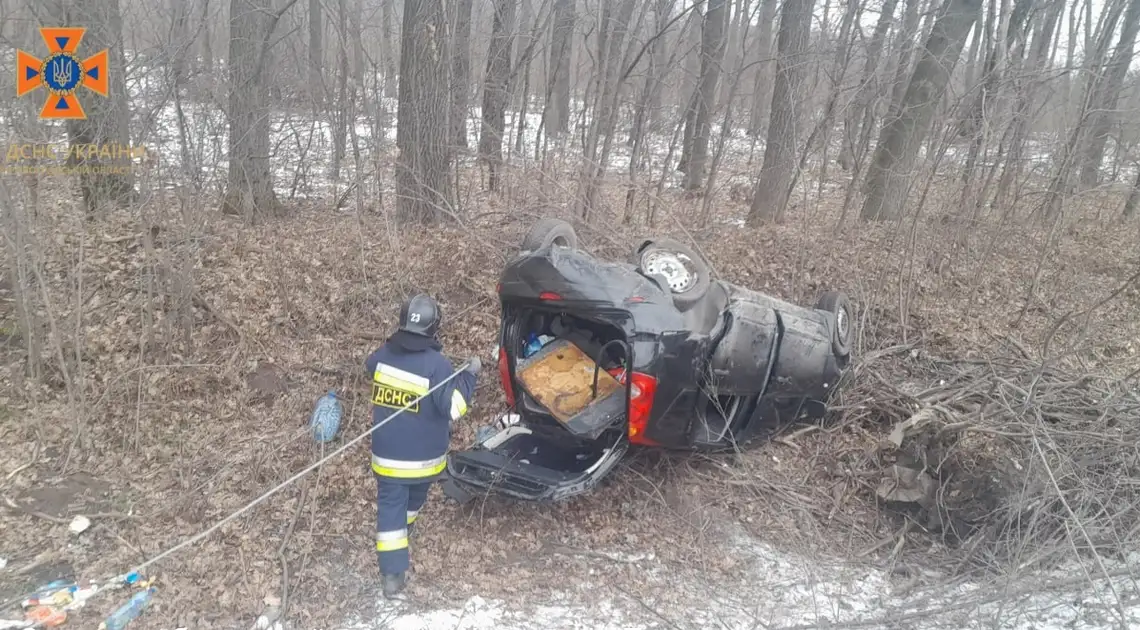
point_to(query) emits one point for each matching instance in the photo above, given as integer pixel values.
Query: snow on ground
(783, 590)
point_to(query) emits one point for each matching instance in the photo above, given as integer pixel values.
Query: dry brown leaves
(177, 424)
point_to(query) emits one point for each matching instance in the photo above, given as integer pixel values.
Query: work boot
(393, 585)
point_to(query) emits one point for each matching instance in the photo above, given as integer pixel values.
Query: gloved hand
(474, 365)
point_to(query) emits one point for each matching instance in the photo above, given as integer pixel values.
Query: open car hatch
(571, 387)
(523, 464)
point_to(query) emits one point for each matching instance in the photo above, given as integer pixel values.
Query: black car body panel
(723, 368)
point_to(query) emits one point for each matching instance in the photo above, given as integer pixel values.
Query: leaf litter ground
(195, 399)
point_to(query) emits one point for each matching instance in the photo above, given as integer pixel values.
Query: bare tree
(1105, 94)
(557, 114)
(497, 90)
(712, 55)
(891, 167)
(107, 119)
(316, 53)
(761, 91)
(388, 48)
(180, 40)
(423, 135)
(774, 184)
(341, 115)
(461, 71)
(860, 120)
(1133, 200)
(207, 41)
(249, 187)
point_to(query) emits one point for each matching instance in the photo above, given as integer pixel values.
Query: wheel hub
(672, 266)
(843, 324)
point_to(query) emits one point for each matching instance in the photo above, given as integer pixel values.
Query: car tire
(550, 231)
(700, 282)
(836, 303)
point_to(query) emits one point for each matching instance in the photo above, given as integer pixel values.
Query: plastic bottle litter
(534, 343)
(45, 616)
(129, 611)
(326, 418)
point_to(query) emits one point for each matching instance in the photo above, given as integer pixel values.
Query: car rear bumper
(526, 466)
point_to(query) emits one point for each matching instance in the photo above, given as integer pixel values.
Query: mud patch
(64, 497)
(266, 383)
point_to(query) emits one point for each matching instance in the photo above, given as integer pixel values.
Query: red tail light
(505, 376)
(550, 296)
(640, 404)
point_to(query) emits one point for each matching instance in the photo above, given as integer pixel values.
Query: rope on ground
(290, 480)
(190, 541)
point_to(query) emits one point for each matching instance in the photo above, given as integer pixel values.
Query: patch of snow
(778, 589)
(482, 614)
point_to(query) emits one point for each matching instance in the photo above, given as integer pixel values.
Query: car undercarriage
(597, 356)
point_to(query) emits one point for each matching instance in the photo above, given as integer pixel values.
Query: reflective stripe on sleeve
(402, 469)
(412, 516)
(393, 540)
(458, 405)
(401, 379)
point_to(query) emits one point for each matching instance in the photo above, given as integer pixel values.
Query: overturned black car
(595, 356)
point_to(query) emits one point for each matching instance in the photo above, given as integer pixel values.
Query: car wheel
(685, 273)
(550, 231)
(837, 304)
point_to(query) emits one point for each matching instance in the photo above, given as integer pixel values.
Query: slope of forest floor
(205, 344)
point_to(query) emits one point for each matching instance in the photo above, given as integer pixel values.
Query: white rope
(251, 504)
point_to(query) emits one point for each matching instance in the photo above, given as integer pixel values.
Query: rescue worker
(410, 451)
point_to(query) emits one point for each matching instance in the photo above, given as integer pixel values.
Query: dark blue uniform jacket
(412, 447)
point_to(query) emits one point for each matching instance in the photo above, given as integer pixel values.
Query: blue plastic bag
(325, 420)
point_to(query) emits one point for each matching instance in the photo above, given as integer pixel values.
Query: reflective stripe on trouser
(406, 469)
(394, 501)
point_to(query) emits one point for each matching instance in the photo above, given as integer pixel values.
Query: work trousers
(398, 502)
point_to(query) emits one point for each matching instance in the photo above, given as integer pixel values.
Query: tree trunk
(659, 64)
(249, 188)
(906, 53)
(343, 103)
(461, 72)
(712, 55)
(423, 136)
(523, 53)
(1103, 107)
(497, 90)
(1027, 90)
(611, 46)
(761, 92)
(388, 48)
(1060, 184)
(106, 124)
(733, 51)
(606, 98)
(773, 187)
(891, 167)
(207, 41)
(180, 41)
(316, 53)
(854, 126)
(1133, 196)
(557, 115)
(838, 73)
(356, 36)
